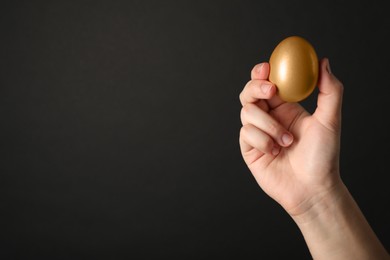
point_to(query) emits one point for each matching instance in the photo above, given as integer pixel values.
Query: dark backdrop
(120, 122)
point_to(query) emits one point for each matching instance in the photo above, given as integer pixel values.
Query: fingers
(255, 90)
(259, 88)
(260, 130)
(260, 71)
(253, 115)
(329, 102)
(251, 137)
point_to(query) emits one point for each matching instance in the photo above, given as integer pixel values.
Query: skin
(294, 157)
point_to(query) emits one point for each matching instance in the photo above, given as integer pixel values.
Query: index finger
(260, 71)
(256, 90)
(258, 87)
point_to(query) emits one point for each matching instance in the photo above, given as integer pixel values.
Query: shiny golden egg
(294, 68)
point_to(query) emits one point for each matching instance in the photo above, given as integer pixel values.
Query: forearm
(335, 228)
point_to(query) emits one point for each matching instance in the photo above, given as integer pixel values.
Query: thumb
(328, 111)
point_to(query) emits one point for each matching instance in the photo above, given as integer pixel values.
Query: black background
(120, 122)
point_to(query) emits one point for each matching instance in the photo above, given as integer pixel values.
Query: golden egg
(294, 68)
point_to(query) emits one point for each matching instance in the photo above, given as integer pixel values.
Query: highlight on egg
(294, 68)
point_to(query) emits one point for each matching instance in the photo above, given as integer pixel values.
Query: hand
(293, 155)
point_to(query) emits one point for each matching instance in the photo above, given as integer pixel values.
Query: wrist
(321, 205)
(334, 227)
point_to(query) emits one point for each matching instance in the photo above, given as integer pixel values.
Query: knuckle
(244, 93)
(252, 84)
(341, 87)
(248, 108)
(241, 98)
(242, 115)
(338, 85)
(244, 131)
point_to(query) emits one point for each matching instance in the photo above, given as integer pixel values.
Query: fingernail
(287, 139)
(275, 150)
(265, 88)
(328, 68)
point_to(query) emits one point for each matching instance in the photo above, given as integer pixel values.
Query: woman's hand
(293, 155)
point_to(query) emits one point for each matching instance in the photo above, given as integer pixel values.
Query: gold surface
(294, 68)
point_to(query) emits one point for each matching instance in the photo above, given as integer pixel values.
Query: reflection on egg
(294, 68)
